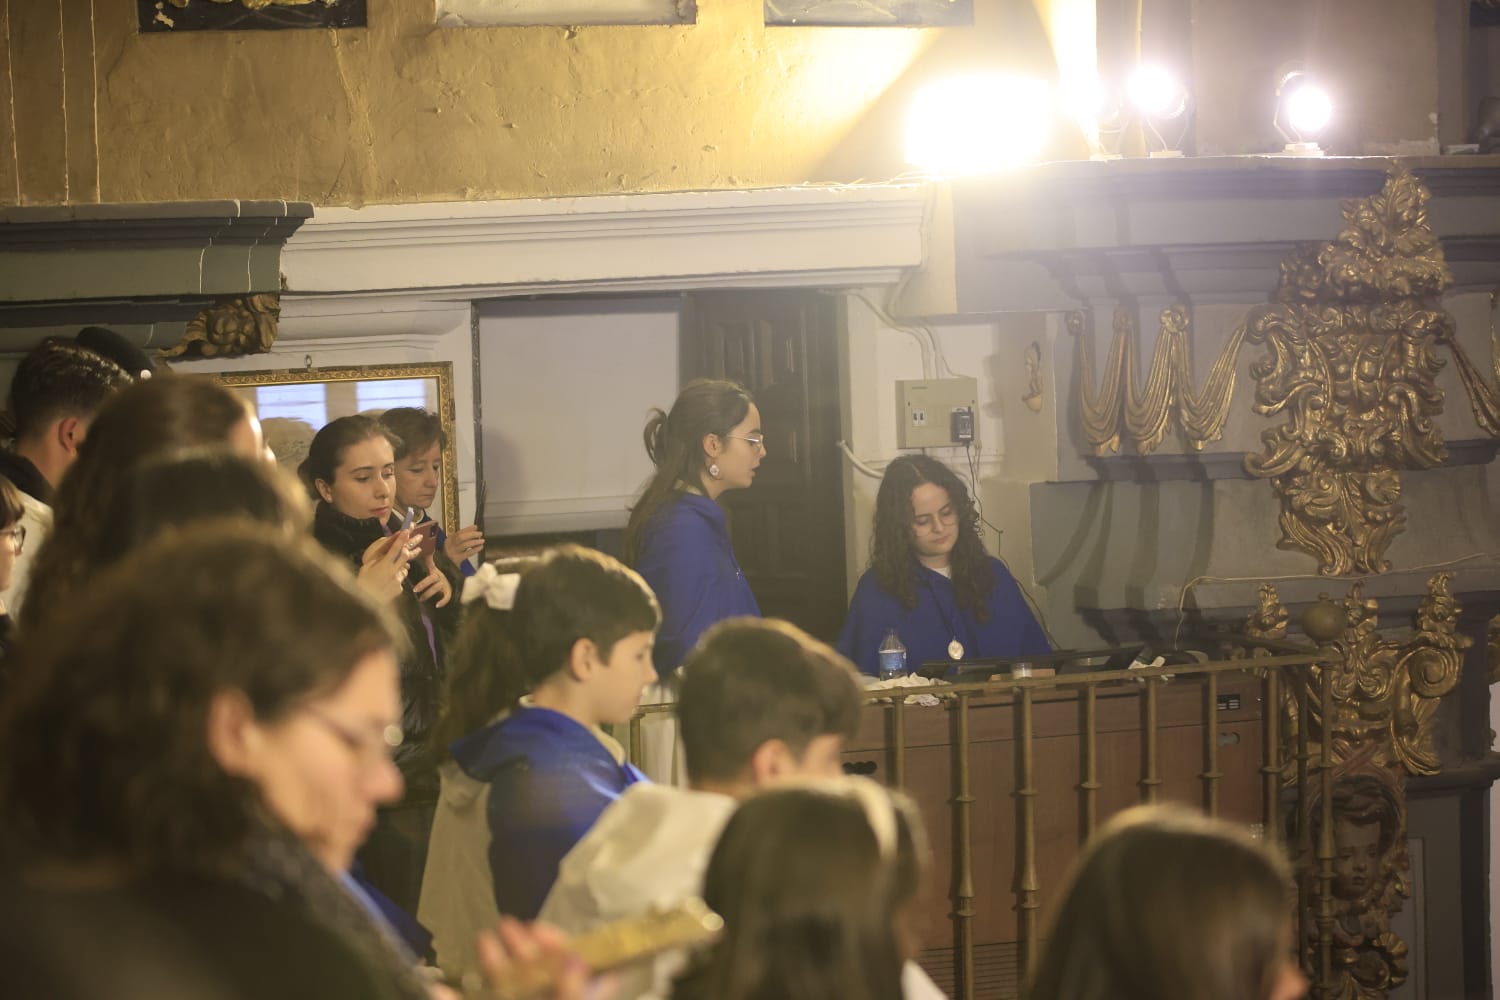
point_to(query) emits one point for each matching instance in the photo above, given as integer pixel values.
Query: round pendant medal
(955, 650)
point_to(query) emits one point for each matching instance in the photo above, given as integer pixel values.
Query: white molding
(825, 236)
(525, 517)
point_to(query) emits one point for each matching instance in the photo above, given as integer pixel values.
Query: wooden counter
(1058, 749)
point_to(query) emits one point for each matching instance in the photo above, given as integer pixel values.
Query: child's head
(815, 883)
(1166, 902)
(578, 619)
(761, 699)
(588, 622)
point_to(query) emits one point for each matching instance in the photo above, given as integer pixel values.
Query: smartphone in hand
(424, 536)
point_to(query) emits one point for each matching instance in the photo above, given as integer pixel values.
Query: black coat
(422, 673)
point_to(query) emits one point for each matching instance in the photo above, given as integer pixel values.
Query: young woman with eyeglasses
(710, 442)
(931, 579)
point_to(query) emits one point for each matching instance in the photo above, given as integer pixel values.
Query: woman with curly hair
(931, 580)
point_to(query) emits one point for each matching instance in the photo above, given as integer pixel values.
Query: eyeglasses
(755, 440)
(932, 522)
(369, 749)
(17, 533)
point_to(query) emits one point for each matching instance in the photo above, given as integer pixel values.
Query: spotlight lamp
(1159, 99)
(1303, 111)
(978, 124)
(1100, 114)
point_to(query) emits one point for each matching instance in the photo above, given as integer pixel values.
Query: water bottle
(892, 656)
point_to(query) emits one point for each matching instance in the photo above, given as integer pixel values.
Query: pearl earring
(713, 470)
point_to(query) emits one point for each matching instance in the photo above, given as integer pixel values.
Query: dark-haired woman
(215, 756)
(677, 538)
(350, 470)
(139, 423)
(931, 580)
(419, 471)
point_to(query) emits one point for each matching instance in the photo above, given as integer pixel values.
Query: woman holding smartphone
(419, 471)
(350, 470)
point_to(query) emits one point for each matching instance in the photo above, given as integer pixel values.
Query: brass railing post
(898, 743)
(1090, 786)
(1025, 879)
(1211, 773)
(963, 887)
(1271, 768)
(1326, 850)
(1149, 777)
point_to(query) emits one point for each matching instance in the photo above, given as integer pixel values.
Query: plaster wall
(404, 111)
(566, 386)
(1379, 59)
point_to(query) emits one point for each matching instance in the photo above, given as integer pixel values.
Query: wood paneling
(1058, 754)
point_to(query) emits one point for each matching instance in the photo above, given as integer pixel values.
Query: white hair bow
(498, 589)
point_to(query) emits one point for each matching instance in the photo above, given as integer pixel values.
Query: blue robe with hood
(687, 559)
(937, 620)
(550, 777)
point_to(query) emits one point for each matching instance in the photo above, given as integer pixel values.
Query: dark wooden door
(788, 528)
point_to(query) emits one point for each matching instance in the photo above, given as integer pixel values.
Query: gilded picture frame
(290, 419)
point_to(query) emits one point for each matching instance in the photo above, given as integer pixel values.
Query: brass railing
(1281, 666)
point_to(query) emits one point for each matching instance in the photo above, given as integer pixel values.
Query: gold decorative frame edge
(447, 409)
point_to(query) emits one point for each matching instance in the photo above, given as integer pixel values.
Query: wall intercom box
(934, 412)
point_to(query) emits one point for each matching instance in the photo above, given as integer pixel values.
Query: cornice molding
(823, 236)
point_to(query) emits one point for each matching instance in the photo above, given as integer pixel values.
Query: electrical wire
(858, 464)
(1189, 585)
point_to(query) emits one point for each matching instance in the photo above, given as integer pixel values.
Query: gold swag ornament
(1349, 336)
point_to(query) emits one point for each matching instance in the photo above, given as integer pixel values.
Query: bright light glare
(1308, 108)
(977, 124)
(1156, 92)
(1091, 103)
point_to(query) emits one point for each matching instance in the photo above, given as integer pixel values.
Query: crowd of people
(269, 738)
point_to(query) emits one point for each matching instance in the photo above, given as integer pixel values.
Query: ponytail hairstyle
(674, 442)
(893, 552)
(567, 594)
(478, 689)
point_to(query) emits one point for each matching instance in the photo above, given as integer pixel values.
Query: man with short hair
(760, 702)
(57, 388)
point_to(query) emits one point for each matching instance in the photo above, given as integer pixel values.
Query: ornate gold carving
(1350, 334)
(1370, 882)
(1033, 395)
(1386, 693)
(1118, 408)
(1384, 712)
(1269, 619)
(231, 328)
(1492, 649)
